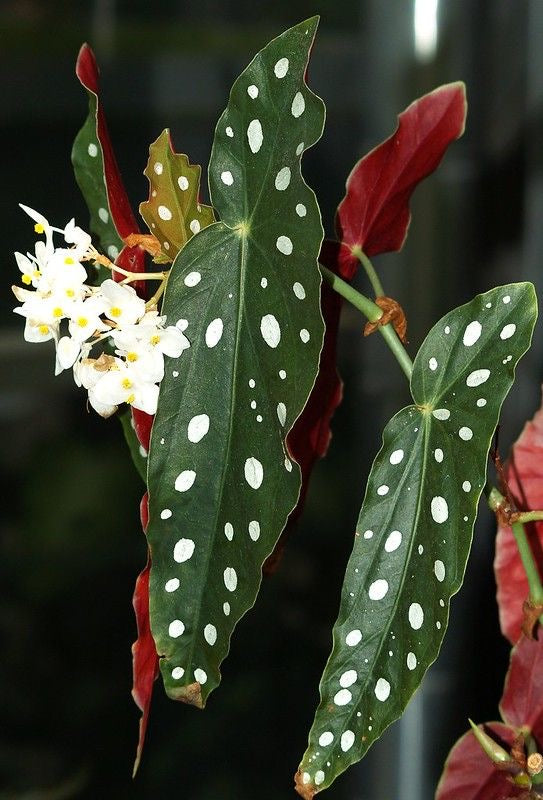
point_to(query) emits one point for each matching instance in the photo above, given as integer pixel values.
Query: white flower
(78, 237)
(123, 384)
(41, 226)
(124, 307)
(68, 351)
(30, 270)
(84, 316)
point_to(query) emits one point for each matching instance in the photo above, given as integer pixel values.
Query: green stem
(370, 271)
(530, 516)
(495, 500)
(530, 568)
(373, 313)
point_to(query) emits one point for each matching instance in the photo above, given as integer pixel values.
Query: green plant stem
(373, 313)
(495, 500)
(370, 271)
(530, 516)
(530, 568)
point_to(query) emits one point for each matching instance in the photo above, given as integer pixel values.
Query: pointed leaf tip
(374, 215)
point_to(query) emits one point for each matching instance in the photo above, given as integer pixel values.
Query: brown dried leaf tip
(392, 312)
(146, 241)
(306, 789)
(191, 694)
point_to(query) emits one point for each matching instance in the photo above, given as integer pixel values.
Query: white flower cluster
(59, 305)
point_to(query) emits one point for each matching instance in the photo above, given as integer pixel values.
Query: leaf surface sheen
(173, 212)
(247, 291)
(415, 527)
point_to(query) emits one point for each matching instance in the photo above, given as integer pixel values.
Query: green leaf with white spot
(173, 212)
(415, 528)
(221, 483)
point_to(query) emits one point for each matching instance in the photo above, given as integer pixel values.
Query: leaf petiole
(370, 270)
(373, 313)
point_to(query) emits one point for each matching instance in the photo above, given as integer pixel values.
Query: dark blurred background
(71, 544)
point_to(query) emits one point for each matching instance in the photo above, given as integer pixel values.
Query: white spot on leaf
(347, 740)
(230, 579)
(382, 689)
(185, 480)
(353, 637)
(164, 213)
(439, 570)
(192, 279)
(281, 68)
(439, 509)
(393, 541)
(378, 589)
(197, 428)
(396, 456)
(284, 245)
(270, 330)
(477, 377)
(183, 550)
(254, 135)
(416, 616)
(210, 634)
(176, 628)
(282, 179)
(472, 333)
(508, 331)
(298, 105)
(254, 472)
(441, 413)
(227, 178)
(214, 332)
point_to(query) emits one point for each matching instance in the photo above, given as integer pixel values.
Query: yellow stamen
(131, 356)
(70, 293)
(115, 311)
(37, 273)
(155, 339)
(82, 322)
(130, 399)
(57, 312)
(38, 227)
(69, 260)
(26, 279)
(43, 329)
(126, 383)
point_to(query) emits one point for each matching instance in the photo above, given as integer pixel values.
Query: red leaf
(87, 71)
(522, 700)
(524, 474)
(374, 214)
(144, 655)
(309, 438)
(470, 775)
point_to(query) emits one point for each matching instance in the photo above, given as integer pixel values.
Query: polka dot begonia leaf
(415, 528)
(246, 293)
(173, 212)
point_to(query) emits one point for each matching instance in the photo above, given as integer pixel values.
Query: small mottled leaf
(524, 475)
(221, 482)
(470, 775)
(415, 527)
(374, 215)
(522, 701)
(173, 212)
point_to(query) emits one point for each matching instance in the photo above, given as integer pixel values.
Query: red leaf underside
(524, 473)
(374, 214)
(121, 212)
(470, 775)
(522, 700)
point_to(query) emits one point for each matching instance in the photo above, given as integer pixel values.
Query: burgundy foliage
(470, 775)
(374, 215)
(522, 699)
(524, 474)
